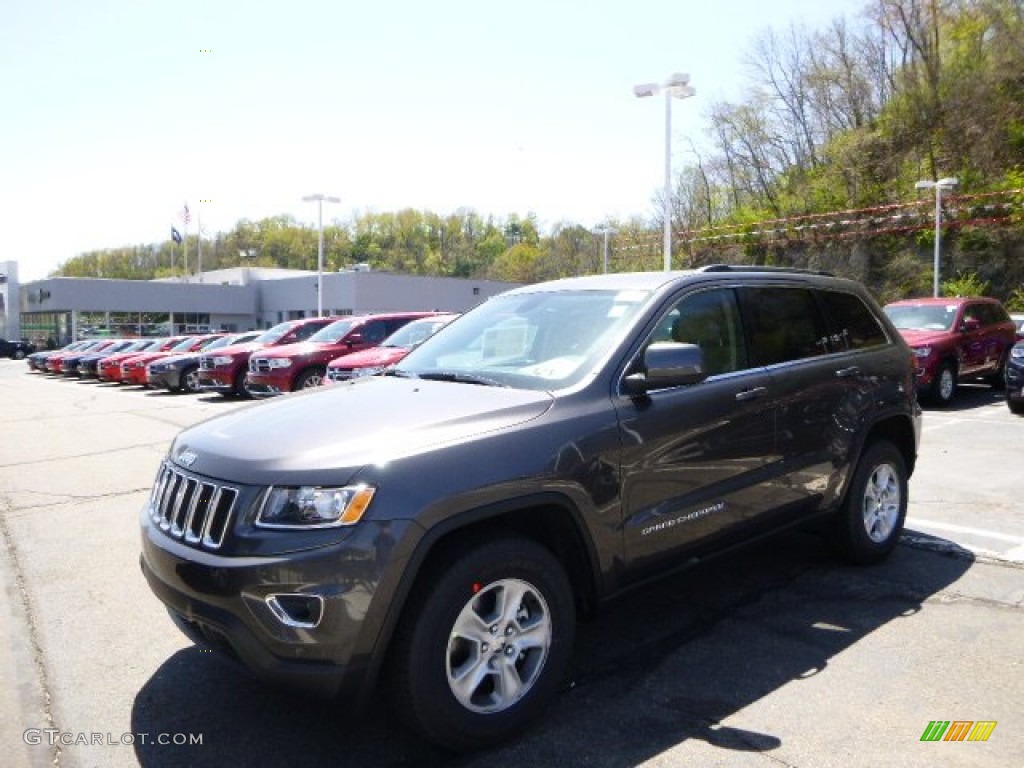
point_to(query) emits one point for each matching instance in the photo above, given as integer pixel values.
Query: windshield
(271, 335)
(333, 332)
(537, 341)
(184, 345)
(922, 317)
(408, 336)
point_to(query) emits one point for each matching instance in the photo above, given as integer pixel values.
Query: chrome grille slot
(190, 509)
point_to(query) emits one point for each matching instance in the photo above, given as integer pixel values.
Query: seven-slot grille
(206, 363)
(194, 510)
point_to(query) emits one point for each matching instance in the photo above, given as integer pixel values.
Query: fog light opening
(296, 610)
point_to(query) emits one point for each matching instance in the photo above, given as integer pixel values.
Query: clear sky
(113, 113)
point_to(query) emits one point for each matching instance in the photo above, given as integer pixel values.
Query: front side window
(711, 320)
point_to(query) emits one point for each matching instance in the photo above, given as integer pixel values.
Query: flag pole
(199, 233)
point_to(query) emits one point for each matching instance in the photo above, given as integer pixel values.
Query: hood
(232, 350)
(325, 435)
(297, 349)
(375, 356)
(181, 357)
(917, 338)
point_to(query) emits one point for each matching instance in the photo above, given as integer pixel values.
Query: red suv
(224, 370)
(392, 349)
(299, 366)
(954, 340)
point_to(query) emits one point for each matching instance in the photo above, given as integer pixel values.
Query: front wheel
(19, 354)
(308, 379)
(189, 380)
(868, 525)
(486, 645)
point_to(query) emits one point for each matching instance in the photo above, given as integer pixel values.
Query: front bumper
(165, 379)
(228, 604)
(262, 385)
(216, 381)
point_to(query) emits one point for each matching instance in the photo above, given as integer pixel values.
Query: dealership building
(57, 310)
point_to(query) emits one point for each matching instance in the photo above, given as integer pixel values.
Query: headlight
(311, 507)
(922, 351)
(220, 360)
(1017, 353)
(278, 362)
(360, 372)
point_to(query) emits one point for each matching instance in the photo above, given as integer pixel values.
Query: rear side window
(783, 324)
(304, 332)
(854, 326)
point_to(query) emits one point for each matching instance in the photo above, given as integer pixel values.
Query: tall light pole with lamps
(320, 199)
(677, 86)
(948, 183)
(606, 231)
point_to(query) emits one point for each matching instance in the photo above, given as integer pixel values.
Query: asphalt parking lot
(778, 656)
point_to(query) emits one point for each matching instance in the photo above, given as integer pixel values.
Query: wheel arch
(549, 519)
(899, 431)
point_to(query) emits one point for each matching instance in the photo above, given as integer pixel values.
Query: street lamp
(677, 86)
(947, 183)
(320, 199)
(606, 231)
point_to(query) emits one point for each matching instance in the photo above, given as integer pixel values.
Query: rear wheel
(944, 385)
(997, 379)
(868, 525)
(486, 644)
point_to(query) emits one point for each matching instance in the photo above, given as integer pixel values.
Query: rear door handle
(751, 394)
(844, 373)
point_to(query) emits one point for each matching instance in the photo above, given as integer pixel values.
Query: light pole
(947, 183)
(320, 199)
(606, 231)
(677, 86)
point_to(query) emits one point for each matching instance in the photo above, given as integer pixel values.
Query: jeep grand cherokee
(439, 527)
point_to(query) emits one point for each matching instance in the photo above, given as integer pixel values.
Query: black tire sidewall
(852, 537)
(432, 708)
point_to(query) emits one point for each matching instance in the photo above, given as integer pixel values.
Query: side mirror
(354, 338)
(667, 364)
(970, 324)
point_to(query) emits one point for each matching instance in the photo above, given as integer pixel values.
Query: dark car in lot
(16, 349)
(291, 367)
(1015, 379)
(439, 528)
(88, 364)
(224, 371)
(391, 350)
(66, 364)
(954, 340)
(37, 360)
(180, 372)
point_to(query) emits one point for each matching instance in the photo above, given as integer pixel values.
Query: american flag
(185, 216)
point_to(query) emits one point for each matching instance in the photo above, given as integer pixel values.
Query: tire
(944, 386)
(19, 354)
(240, 390)
(188, 380)
(1016, 407)
(459, 629)
(311, 377)
(868, 525)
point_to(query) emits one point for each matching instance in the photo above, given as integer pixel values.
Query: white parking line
(951, 528)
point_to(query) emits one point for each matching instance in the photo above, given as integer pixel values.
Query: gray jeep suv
(440, 526)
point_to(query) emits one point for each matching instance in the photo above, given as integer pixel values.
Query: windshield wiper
(461, 378)
(399, 373)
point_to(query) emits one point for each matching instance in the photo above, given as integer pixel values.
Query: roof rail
(760, 268)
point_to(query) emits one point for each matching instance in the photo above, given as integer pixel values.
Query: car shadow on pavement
(968, 397)
(666, 664)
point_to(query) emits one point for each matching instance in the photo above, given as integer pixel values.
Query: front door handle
(751, 394)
